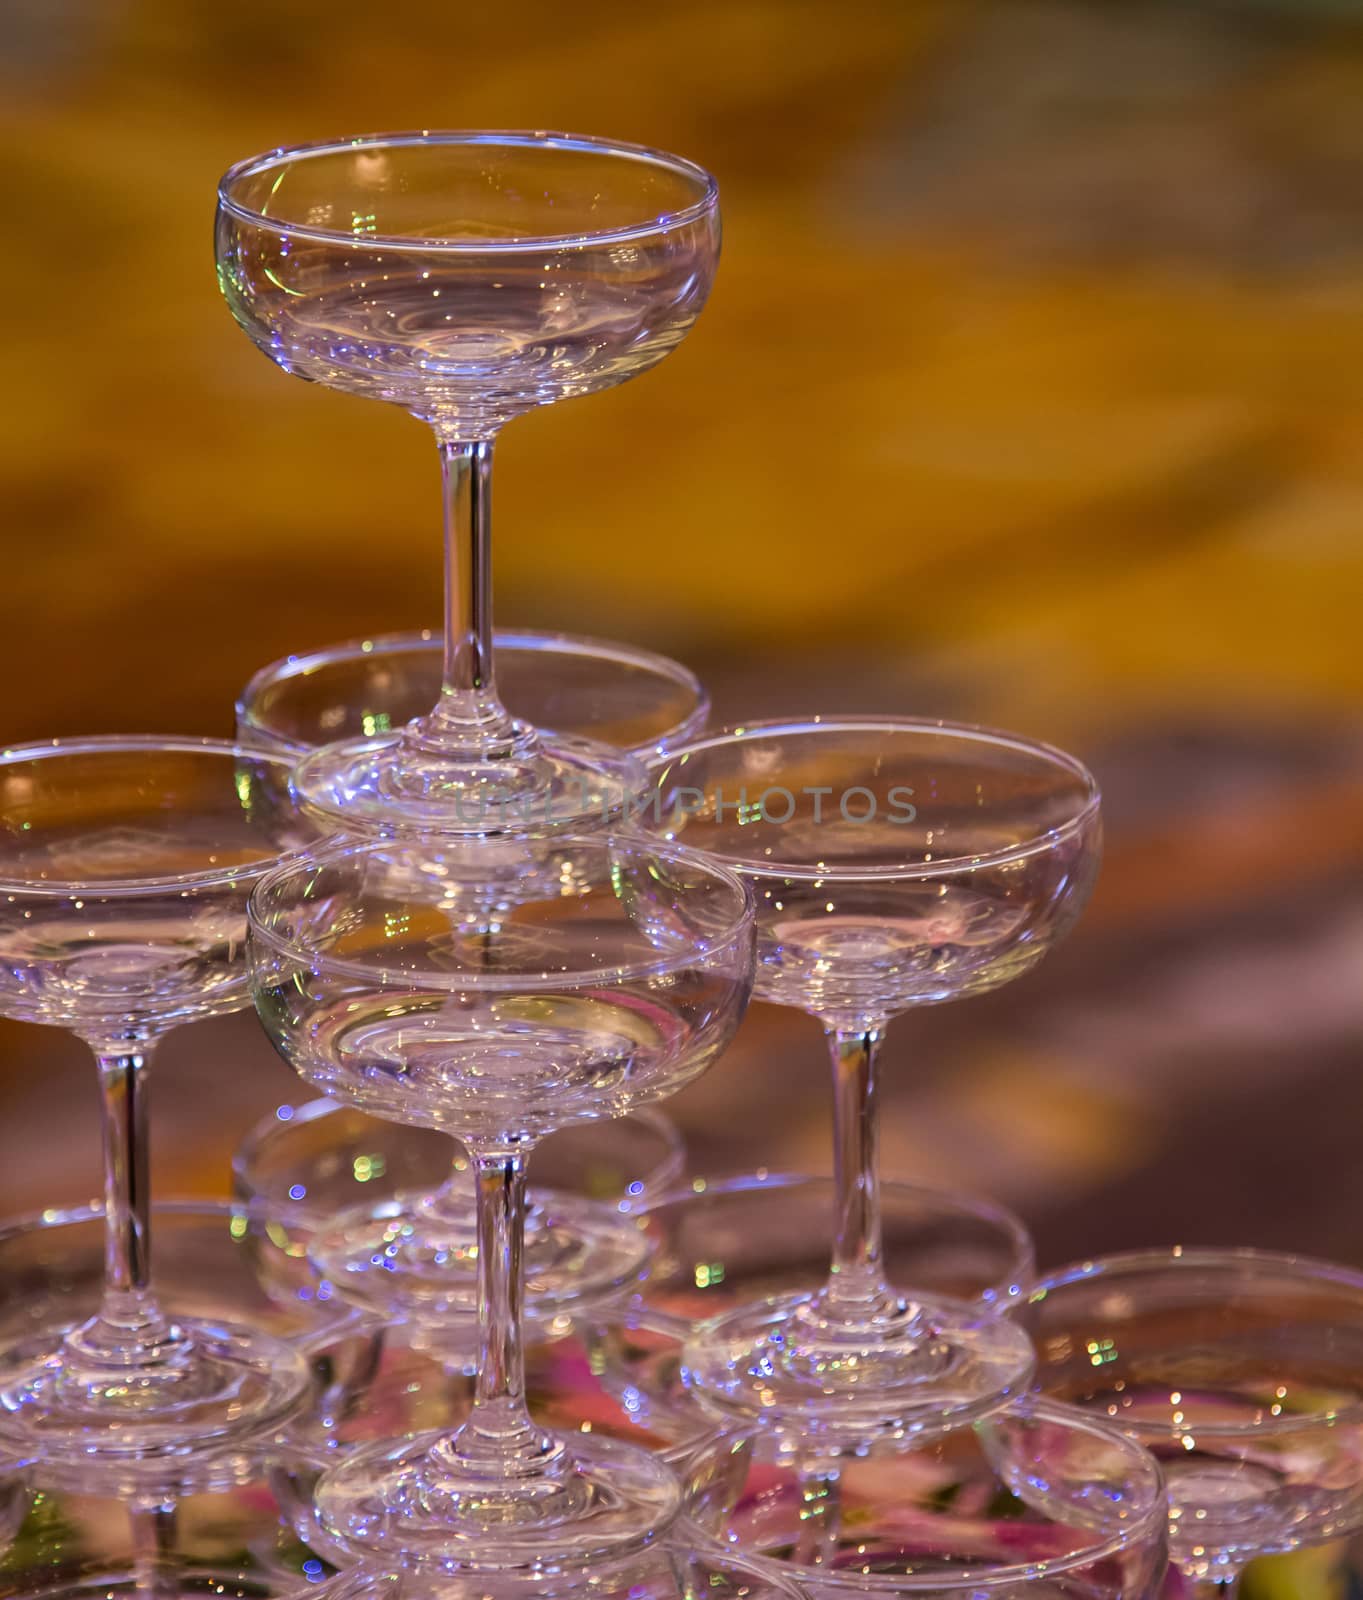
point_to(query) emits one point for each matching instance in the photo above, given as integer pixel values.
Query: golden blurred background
(1030, 391)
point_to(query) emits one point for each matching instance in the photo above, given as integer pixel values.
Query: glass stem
(127, 1204)
(820, 1530)
(856, 1285)
(153, 1528)
(466, 485)
(469, 723)
(448, 1206)
(129, 1332)
(500, 1437)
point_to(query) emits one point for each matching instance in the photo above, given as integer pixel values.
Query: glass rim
(344, 847)
(286, 155)
(947, 866)
(89, 1212)
(763, 1180)
(131, 744)
(222, 1214)
(1203, 1258)
(415, 641)
(251, 1146)
(966, 1578)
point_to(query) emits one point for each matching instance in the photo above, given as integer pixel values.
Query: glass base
(915, 1369)
(414, 1258)
(561, 785)
(416, 1501)
(225, 1385)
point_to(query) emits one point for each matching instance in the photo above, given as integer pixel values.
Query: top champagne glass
(467, 277)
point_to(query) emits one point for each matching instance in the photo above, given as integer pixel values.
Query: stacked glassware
(390, 1367)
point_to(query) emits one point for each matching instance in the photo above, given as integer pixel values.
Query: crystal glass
(588, 688)
(125, 867)
(1043, 1502)
(467, 277)
(617, 976)
(720, 1244)
(1242, 1371)
(894, 864)
(316, 1162)
(411, 1254)
(52, 1277)
(393, 1383)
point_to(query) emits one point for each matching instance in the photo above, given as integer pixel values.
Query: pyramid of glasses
(494, 894)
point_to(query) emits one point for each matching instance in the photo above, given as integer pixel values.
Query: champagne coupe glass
(1240, 1370)
(717, 1244)
(1041, 1500)
(411, 1255)
(125, 868)
(384, 1384)
(894, 863)
(311, 1162)
(618, 976)
(616, 694)
(467, 277)
(52, 1276)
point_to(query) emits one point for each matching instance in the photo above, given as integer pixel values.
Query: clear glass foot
(914, 1368)
(554, 785)
(569, 1504)
(201, 1387)
(416, 1257)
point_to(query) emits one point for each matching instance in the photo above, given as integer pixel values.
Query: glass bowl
(563, 683)
(227, 1541)
(313, 1162)
(1040, 1499)
(680, 1569)
(1240, 1370)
